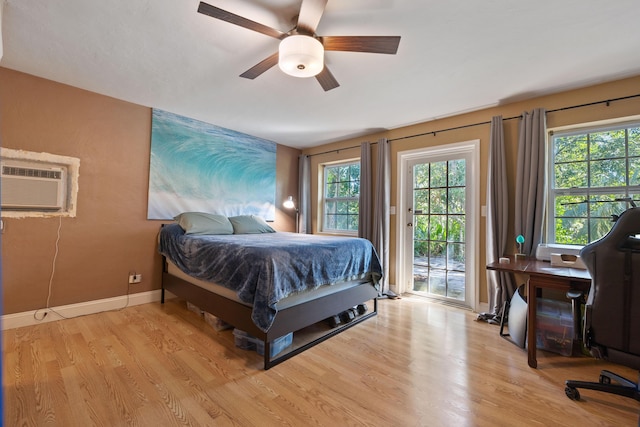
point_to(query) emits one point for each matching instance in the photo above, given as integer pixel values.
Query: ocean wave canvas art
(197, 166)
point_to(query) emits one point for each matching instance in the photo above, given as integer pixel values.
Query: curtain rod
(606, 101)
(337, 150)
(434, 132)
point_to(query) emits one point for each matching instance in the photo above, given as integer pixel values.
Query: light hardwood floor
(416, 364)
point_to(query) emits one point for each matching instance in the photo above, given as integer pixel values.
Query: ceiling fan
(301, 51)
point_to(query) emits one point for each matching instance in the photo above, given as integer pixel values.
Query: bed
(270, 284)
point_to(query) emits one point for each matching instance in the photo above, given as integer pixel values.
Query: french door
(439, 221)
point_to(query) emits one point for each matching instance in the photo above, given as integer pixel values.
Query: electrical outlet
(135, 278)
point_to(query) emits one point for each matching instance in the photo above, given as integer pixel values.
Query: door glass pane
(455, 288)
(438, 282)
(438, 174)
(457, 172)
(456, 200)
(439, 197)
(455, 232)
(437, 255)
(438, 201)
(420, 227)
(438, 227)
(420, 278)
(421, 176)
(421, 201)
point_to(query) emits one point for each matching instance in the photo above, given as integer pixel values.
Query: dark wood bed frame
(288, 320)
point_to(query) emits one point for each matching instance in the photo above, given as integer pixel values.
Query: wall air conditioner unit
(33, 187)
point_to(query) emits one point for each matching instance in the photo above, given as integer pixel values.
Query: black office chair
(612, 312)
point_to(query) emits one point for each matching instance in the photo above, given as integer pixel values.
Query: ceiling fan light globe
(301, 56)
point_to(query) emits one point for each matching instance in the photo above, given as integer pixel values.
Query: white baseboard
(27, 318)
(482, 307)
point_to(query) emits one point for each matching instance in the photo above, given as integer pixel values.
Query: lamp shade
(301, 56)
(289, 204)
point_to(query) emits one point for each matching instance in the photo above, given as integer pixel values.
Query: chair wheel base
(572, 393)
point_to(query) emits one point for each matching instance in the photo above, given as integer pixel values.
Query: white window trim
(615, 122)
(321, 199)
(472, 149)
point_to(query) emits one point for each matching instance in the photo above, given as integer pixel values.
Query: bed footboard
(270, 362)
(288, 320)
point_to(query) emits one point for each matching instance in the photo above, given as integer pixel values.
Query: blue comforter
(265, 268)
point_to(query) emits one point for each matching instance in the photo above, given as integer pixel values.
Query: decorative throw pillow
(250, 224)
(204, 223)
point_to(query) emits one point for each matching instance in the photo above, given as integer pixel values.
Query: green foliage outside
(342, 193)
(591, 171)
(439, 211)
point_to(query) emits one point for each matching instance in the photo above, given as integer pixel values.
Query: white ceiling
(454, 56)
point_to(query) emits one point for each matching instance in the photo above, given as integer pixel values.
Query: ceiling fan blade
(326, 79)
(310, 13)
(370, 44)
(215, 12)
(260, 67)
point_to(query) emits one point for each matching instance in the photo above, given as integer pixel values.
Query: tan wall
(596, 93)
(110, 236)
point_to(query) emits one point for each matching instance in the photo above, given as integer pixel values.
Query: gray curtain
(530, 177)
(381, 203)
(501, 285)
(365, 214)
(304, 194)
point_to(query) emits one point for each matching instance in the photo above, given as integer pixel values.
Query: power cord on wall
(48, 308)
(53, 272)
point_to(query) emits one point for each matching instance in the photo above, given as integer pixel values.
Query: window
(341, 197)
(593, 173)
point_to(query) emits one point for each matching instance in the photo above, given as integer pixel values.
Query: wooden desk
(542, 276)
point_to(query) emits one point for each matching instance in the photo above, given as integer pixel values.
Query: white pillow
(250, 224)
(204, 223)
